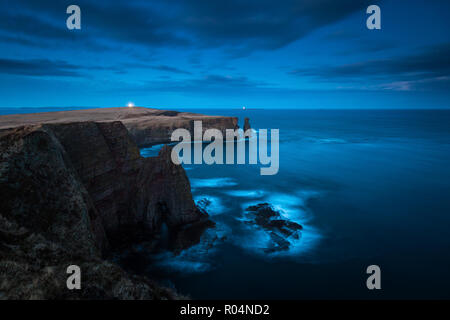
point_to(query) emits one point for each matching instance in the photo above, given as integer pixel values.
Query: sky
(225, 54)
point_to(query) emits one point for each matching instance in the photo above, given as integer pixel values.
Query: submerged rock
(280, 230)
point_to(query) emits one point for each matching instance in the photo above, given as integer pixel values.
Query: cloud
(125, 67)
(38, 67)
(170, 69)
(239, 25)
(356, 42)
(264, 24)
(29, 25)
(431, 65)
(212, 83)
(431, 84)
(226, 82)
(121, 22)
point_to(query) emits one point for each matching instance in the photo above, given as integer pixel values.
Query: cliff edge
(146, 126)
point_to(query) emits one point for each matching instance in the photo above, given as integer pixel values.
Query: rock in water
(280, 230)
(247, 124)
(203, 205)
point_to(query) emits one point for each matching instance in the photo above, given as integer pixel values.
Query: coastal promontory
(74, 186)
(145, 125)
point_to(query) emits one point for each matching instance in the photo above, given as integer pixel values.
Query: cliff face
(126, 189)
(69, 191)
(152, 131)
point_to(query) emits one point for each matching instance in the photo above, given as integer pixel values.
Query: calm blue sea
(369, 187)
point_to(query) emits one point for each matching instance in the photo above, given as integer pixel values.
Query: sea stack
(247, 124)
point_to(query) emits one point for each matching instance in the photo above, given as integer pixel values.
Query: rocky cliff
(146, 126)
(70, 191)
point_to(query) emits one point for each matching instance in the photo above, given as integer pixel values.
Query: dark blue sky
(225, 54)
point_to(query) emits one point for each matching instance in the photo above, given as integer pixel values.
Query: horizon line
(237, 108)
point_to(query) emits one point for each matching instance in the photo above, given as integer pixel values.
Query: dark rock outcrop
(69, 192)
(247, 124)
(280, 230)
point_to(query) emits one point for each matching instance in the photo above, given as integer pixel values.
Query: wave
(191, 260)
(246, 193)
(326, 140)
(199, 258)
(213, 205)
(213, 183)
(292, 207)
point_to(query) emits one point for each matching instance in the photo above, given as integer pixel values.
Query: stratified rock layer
(69, 191)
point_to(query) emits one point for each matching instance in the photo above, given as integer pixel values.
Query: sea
(369, 187)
